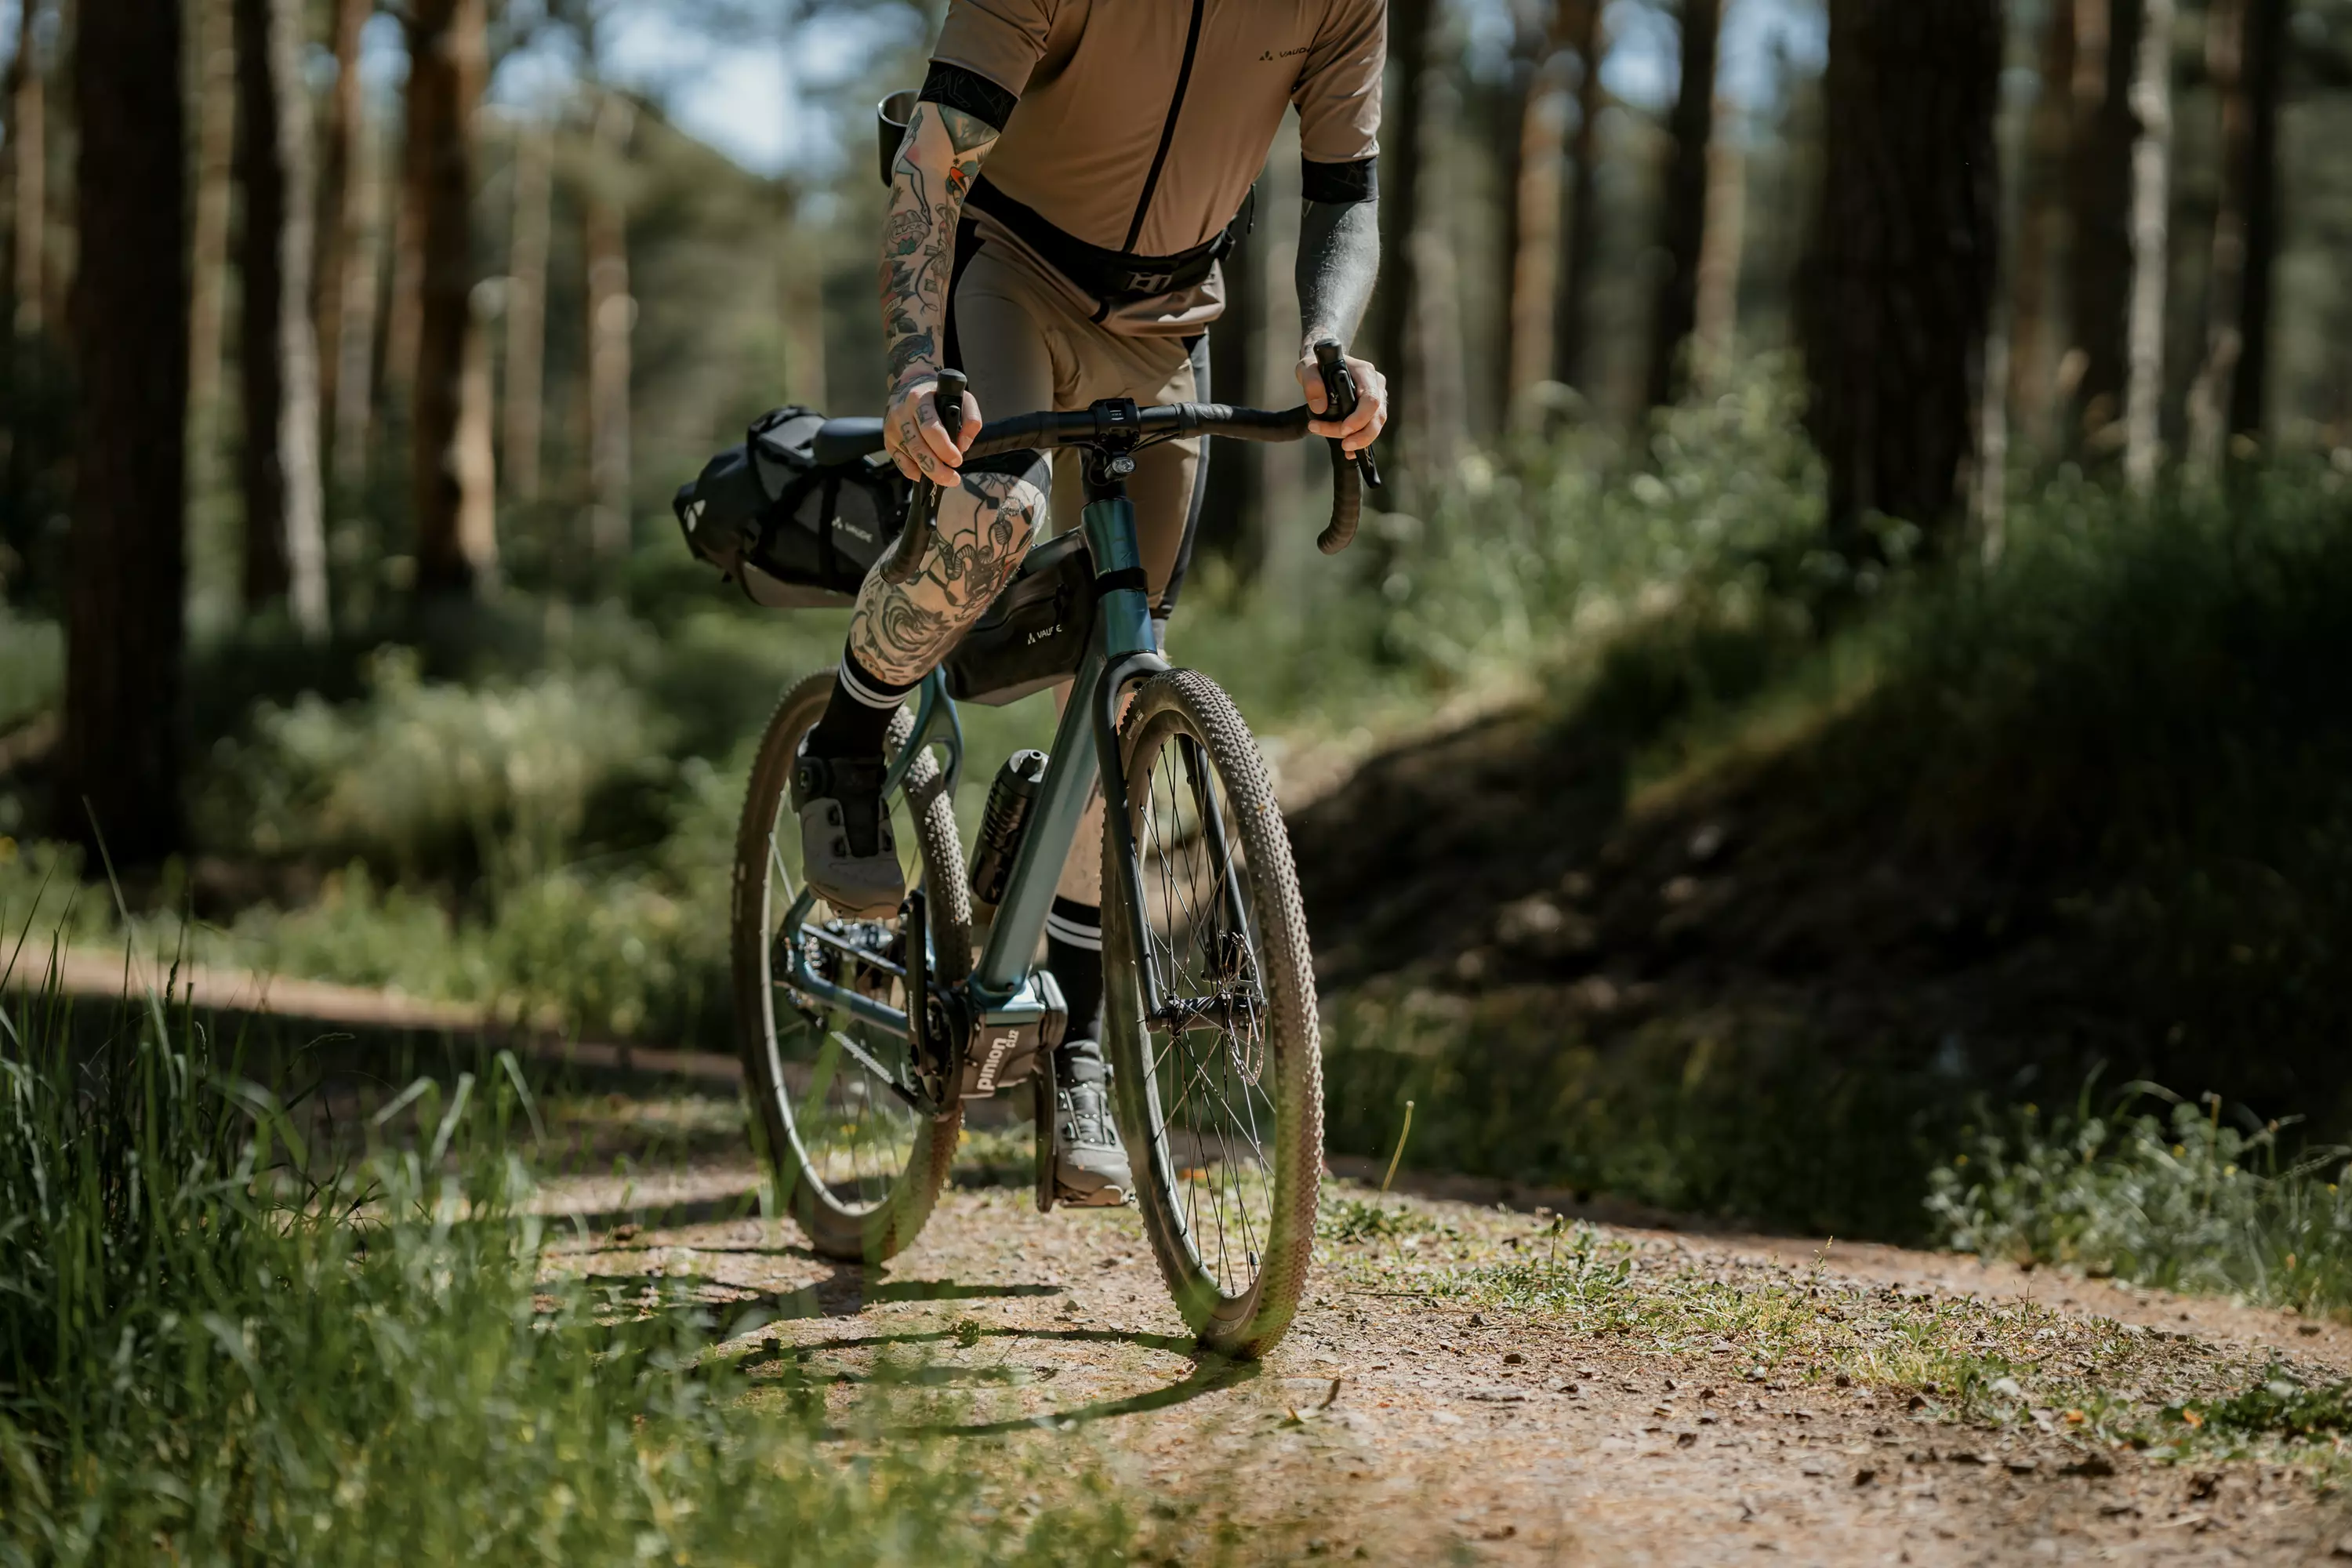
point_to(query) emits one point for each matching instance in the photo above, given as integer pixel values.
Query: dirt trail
(1693, 1399)
(1460, 1387)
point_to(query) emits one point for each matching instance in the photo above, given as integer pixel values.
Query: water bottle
(1010, 799)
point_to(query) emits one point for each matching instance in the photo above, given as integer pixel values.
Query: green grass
(2183, 1197)
(220, 1343)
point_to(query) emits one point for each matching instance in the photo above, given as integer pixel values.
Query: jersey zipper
(1168, 130)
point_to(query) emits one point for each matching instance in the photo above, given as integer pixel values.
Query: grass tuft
(219, 1342)
(2183, 1197)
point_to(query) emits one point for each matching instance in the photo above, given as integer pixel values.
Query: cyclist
(1119, 144)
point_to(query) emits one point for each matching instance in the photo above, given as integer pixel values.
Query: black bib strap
(1112, 277)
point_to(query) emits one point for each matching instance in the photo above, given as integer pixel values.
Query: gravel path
(1477, 1384)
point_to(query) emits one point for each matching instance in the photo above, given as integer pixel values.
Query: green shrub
(1747, 1118)
(2186, 1199)
(32, 667)
(425, 776)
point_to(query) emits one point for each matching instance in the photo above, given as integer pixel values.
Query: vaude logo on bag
(1035, 637)
(843, 525)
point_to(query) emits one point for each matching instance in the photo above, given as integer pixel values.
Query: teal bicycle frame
(1002, 985)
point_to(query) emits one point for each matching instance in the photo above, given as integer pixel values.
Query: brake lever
(908, 554)
(1339, 387)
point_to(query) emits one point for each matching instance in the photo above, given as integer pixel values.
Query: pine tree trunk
(2208, 395)
(804, 368)
(611, 315)
(2034, 328)
(1898, 289)
(208, 280)
(357, 301)
(1683, 218)
(2265, 59)
(525, 313)
(2106, 49)
(29, 176)
(1393, 306)
(445, 52)
(118, 763)
(478, 474)
(1506, 117)
(1535, 259)
(1436, 404)
(24, 319)
(277, 358)
(1581, 261)
(1715, 315)
(403, 297)
(342, 171)
(2151, 165)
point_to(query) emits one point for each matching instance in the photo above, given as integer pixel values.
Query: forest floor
(1473, 1382)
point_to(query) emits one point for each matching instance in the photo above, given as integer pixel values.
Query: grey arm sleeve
(1339, 258)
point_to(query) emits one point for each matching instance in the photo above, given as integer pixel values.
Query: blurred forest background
(1858, 639)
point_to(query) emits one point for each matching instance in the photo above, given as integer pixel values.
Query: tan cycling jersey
(1141, 124)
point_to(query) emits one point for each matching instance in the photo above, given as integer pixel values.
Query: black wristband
(961, 88)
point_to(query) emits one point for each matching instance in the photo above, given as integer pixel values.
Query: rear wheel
(1221, 1096)
(857, 1166)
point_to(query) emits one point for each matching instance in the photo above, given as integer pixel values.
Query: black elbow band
(961, 88)
(1339, 184)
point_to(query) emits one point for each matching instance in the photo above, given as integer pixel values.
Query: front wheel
(1220, 1096)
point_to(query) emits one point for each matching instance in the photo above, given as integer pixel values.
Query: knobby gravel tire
(1173, 1163)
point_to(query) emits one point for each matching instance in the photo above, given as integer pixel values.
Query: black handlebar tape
(1346, 486)
(908, 554)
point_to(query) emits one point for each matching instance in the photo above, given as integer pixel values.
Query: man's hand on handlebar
(1371, 415)
(916, 439)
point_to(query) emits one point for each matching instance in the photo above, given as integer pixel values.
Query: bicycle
(862, 1039)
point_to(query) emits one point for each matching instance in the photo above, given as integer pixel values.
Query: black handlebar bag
(798, 533)
(795, 533)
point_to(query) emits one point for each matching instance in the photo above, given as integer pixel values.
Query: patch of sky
(763, 81)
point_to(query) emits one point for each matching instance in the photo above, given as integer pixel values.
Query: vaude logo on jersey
(997, 1050)
(1283, 54)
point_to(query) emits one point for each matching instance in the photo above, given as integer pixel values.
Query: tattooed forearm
(939, 155)
(900, 632)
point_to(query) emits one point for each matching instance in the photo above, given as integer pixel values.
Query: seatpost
(916, 534)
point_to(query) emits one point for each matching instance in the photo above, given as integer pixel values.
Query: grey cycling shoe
(1090, 1168)
(847, 852)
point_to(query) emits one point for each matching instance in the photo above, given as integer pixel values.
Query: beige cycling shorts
(1014, 333)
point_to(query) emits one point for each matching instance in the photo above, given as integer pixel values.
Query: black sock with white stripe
(858, 717)
(1074, 953)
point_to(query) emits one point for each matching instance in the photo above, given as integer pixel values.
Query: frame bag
(1035, 634)
(795, 533)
